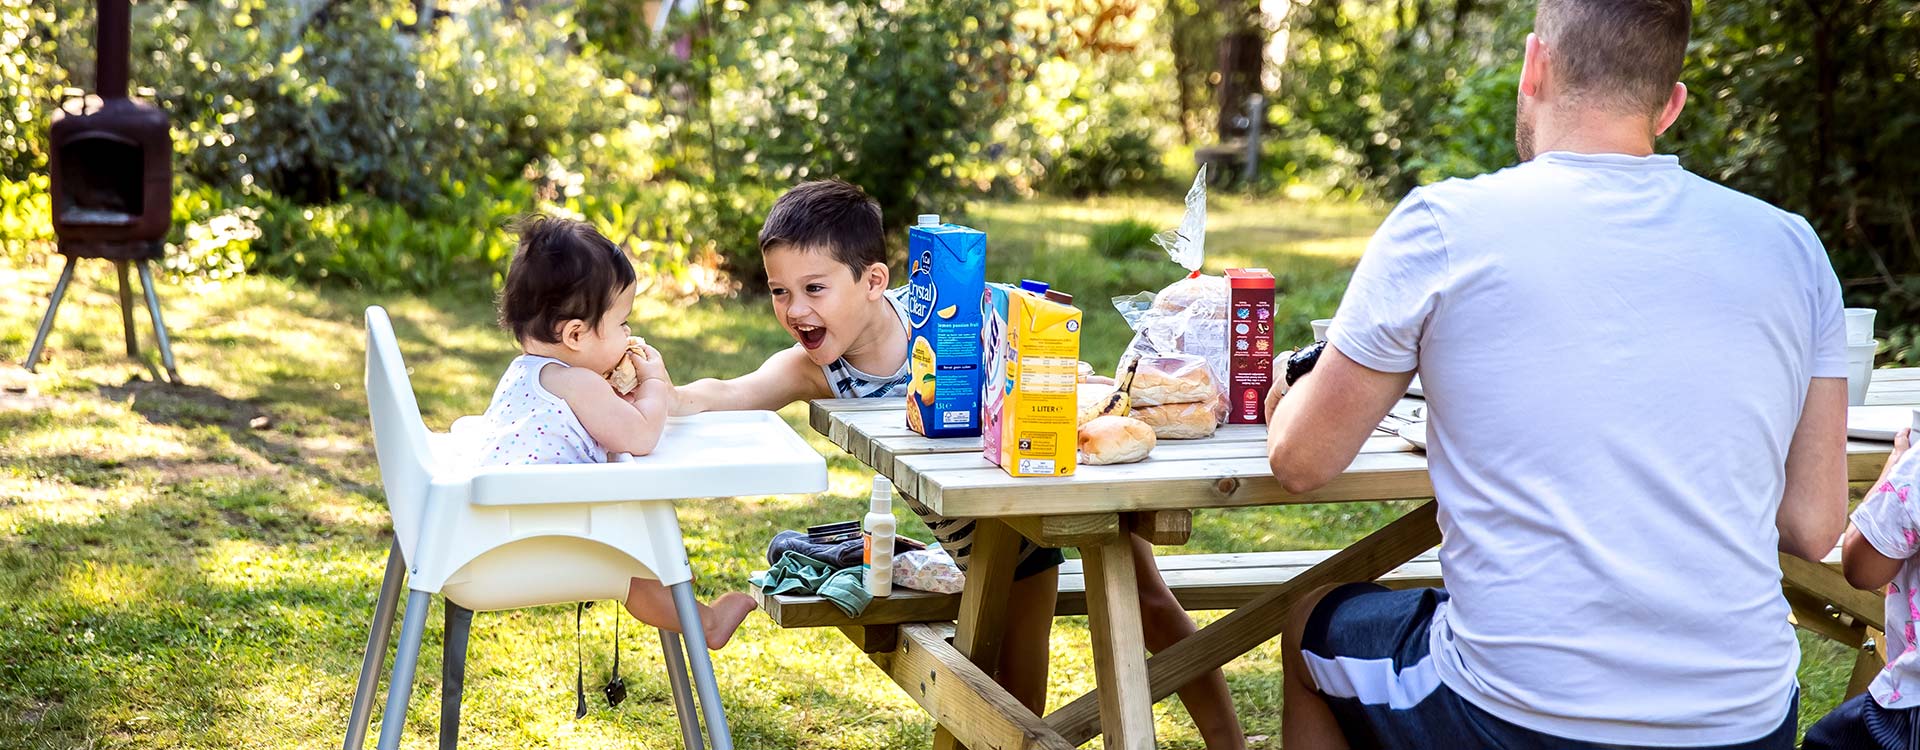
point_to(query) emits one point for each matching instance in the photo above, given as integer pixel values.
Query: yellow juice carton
(1038, 435)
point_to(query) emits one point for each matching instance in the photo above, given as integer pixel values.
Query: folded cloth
(798, 573)
(841, 555)
(845, 554)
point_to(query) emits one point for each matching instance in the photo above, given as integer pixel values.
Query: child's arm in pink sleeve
(1885, 531)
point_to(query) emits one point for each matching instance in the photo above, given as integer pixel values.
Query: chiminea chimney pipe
(110, 44)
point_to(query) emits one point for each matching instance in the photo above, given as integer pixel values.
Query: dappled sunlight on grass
(108, 585)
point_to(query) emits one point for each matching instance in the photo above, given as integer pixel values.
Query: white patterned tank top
(847, 381)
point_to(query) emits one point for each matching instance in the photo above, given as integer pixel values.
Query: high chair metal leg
(690, 629)
(683, 707)
(405, 657)
(453, 673)
(53, 306)
(376, 654)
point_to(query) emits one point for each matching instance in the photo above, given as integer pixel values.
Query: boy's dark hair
(1623, 54)
(828, 215)
(562, 270)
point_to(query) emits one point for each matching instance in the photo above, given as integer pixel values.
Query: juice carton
(1249, 344)
(1037, 419)
(996, 383)
(946, 276)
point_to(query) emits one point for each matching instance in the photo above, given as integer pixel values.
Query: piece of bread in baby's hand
(1178, 421)
(1115, 440)
(624, 378)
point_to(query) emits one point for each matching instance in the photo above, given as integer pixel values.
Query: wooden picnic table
(1094, 510)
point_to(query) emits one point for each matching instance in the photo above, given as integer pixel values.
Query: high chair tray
(718, 454)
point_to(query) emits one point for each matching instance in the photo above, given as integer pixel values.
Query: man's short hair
(830, 216)
(1621, 54)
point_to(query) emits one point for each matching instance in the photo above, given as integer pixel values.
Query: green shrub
(1122, 240)
(26, 217)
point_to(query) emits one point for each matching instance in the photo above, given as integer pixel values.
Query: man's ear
(876, 278)
(573, 334)
(1676, 100)
(1533, 67)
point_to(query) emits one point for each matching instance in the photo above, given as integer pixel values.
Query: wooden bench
(1227, 581)
(1200, 582)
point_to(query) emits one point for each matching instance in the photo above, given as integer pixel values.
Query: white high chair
(522, 536)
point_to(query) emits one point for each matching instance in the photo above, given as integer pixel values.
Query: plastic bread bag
(1161, 379)
(1188, 316)
(1180, 421)
(930, 569)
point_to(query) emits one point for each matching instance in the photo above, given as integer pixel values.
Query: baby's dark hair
(831, 216)
(562, 270)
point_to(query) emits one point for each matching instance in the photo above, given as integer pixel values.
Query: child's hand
(1902, 441)
(649, 365)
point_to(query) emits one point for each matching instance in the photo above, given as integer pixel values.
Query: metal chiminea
(112, 184)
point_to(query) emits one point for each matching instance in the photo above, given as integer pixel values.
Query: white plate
(1879, 422)
(1414, 389)
(1416, 433)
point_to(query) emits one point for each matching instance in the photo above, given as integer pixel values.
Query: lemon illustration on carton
(923, 369)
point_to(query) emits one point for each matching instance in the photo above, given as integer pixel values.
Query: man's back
(1615, 354)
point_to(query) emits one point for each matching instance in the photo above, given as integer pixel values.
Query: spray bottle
(877, 560)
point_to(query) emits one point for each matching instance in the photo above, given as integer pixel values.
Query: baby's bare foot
(725, 616)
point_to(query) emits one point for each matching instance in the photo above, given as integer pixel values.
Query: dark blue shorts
(1383, 635)
(1861, 724)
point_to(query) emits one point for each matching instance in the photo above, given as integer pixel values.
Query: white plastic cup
(1860, 325)
(1860, 371)
(1320, 328)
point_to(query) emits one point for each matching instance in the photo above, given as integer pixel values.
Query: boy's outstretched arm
(784, 378)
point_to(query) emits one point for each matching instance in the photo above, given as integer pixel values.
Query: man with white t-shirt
(1635, 381)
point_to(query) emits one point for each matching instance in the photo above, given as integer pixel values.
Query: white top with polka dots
(527, 424)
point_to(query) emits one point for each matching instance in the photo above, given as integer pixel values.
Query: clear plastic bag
(930, 569)
(1193, 325)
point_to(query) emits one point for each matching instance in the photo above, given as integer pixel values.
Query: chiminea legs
(159, 327)
(126, 310)
(126, 315)
(53, 306)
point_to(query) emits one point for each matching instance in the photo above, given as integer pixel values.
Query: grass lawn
(175, 572)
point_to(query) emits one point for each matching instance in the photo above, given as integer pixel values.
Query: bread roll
(1182, 294)
(1115, 440)
(1101, 400)
(1159, 381)
(1178, 421)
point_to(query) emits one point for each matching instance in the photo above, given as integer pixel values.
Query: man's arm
(1813, 510)
(1315, 431)
(784, 378)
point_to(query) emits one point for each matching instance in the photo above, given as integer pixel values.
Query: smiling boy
(826, 259)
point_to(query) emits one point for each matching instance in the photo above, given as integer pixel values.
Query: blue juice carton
(946, 278)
